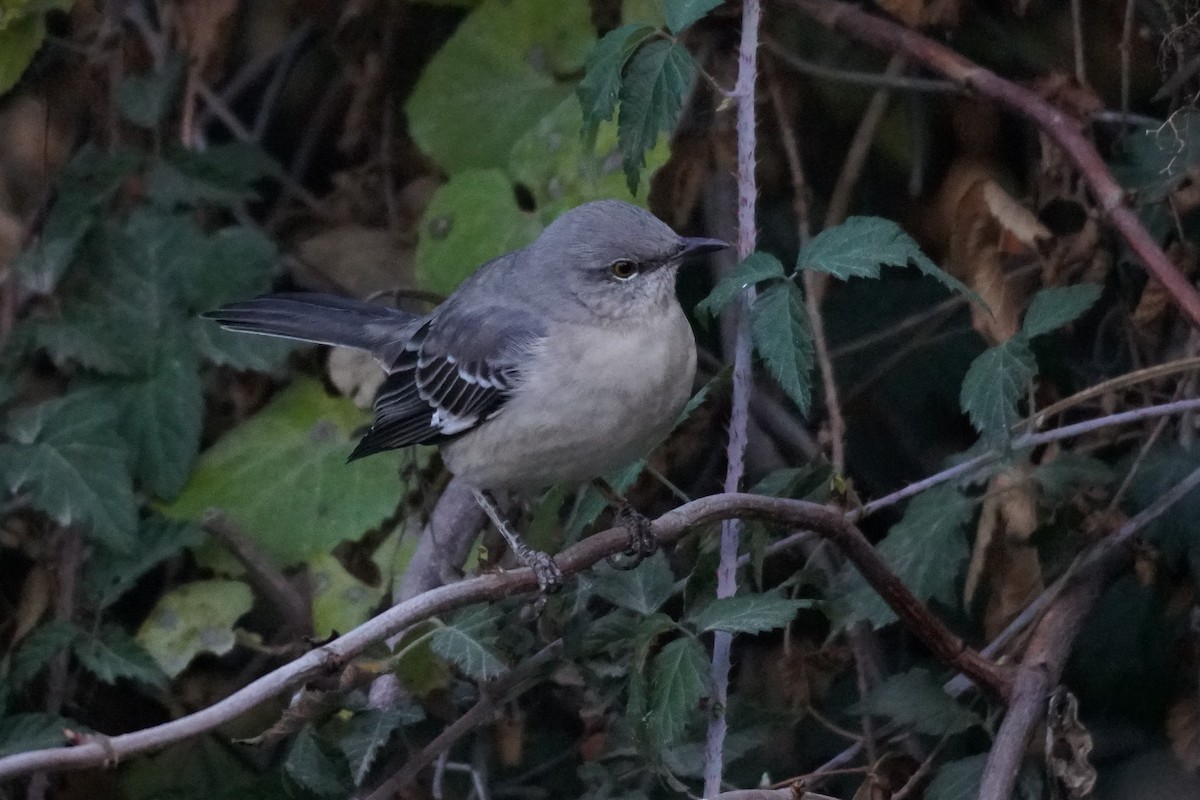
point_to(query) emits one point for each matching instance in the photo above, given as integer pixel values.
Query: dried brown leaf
(1183, 729)
(1068, 746)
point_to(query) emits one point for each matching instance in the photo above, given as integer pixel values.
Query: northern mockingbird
(552, 364)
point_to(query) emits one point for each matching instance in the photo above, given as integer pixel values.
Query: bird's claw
(642, 541)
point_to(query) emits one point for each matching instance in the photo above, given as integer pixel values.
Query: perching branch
(1061, 128)
(827, 522)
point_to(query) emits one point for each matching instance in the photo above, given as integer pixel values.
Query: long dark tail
(318, 318)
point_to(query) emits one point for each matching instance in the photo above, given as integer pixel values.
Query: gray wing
(456, 371)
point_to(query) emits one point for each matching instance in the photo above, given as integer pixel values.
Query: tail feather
(317, 318)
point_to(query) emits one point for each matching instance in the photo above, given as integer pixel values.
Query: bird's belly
(583, 408)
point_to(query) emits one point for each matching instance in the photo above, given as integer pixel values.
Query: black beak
(694, 246)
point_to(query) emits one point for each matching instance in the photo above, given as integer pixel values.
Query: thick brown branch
(827, 522)
(1061, 128)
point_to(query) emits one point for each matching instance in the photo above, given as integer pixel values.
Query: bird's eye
(623, 270)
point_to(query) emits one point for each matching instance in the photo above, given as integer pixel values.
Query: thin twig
(901, 83)
(1020, 443)
(492, 695)
(743, 382)
(1059, 127)
(1077, 43)
(1125, 45)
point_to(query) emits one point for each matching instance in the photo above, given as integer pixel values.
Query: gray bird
(552, 364)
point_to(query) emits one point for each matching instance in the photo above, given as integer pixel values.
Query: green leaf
(561, 171)
(495, 78)
(1153, 162)
(113, 654)
(1068, 472)
(192, 619)
(678, 680)
(926, 549)
(19, 41)
(958, 780)
(755, 268)
(224, 174)
(369, 731)
(38, 731)
(35, 653)
(860, 245)
(316, 500)
(601, 83)
(779, 325)
(109, 574)
(643, 590)
(67, 459)
(994, 384)
(145, 99)
(682, 13)
(1053, 308)
(314, 769)
(915, 700)
(159, 415)
(467, 643)
(470, 220)
(85, 186)
(340, 601)
(656, 83)
(748, 613)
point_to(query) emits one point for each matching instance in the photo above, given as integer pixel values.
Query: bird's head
(615, 258)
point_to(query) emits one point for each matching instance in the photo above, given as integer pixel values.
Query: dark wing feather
(456, 371)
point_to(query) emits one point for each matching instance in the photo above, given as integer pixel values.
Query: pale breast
(592, 399)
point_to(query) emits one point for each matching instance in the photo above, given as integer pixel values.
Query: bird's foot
(642, 541)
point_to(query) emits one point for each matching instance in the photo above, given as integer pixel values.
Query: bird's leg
(642, 541)
(549, 576)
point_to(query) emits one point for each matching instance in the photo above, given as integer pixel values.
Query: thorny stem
(1059, 127)
(743, 380)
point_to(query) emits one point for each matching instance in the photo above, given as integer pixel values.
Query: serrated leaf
(498, 74)
(70, 464)
(1053, 308)
(86, 184)
(467, 643)
(192, 619)
(39, 647)
(159, 415)
(108, 574)
(656, 83)
(301, 439)
(340, 601)
(915, 700)
(994, 384)
(314, 769)
(643, 590)
(369, 731)
(748, 613)
(779, 326)
(112, 654)
(756, 267)
(145, 99)
(860, 245)
(926, 550)
(601, 82)
(679, 679)
(470, 220)
(682, 13)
